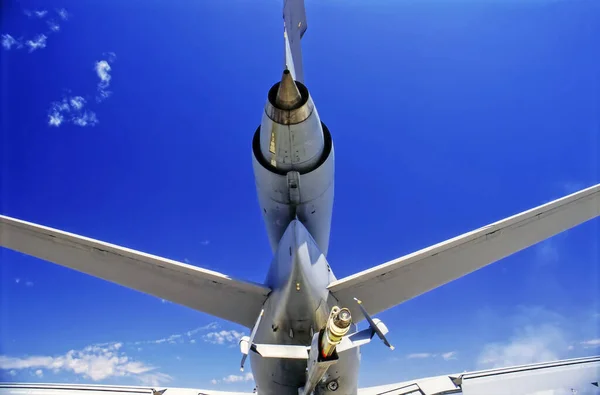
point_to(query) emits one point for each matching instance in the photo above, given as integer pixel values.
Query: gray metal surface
(409, 276)
(296, 309)
(314, 191)
(200, 289)
(294, 15)
(300, 288)
(291, 138)
(560, 376)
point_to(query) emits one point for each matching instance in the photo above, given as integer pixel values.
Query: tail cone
(288, 95)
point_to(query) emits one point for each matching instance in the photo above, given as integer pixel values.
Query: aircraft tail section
(294, 17)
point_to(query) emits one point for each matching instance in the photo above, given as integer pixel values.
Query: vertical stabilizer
(294, 17)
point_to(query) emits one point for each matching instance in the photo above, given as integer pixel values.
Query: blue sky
(446, 116)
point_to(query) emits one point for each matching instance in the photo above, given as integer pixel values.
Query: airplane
(303, 321)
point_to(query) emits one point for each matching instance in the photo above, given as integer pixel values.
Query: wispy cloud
(95, 362)
(27, 283)
(419, 355)
(103, 69)
(424, 355)
(63, 14)
(233, 378)
(593, 343)
(40, 40)
(205, 242)
(71, 109)
(223, 337)
(449, 355)
(9, 41)
(179, 337)
(539, 335)
(35, 13)
(53, 26)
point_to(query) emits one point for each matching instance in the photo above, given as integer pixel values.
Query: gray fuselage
(296, 308)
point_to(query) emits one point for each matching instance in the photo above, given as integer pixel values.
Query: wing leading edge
(200, 289)
(578, 374)
(404, 278)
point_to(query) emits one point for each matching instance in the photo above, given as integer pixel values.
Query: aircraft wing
(200, 289)
(404, 278)
(80, 389)
(567, 376)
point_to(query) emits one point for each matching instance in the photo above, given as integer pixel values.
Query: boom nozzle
(288, 95)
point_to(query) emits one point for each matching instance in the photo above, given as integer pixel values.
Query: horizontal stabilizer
(402, 279)
(200, 289)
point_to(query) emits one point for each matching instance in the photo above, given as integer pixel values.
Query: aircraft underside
(297, 309)
(304, 337)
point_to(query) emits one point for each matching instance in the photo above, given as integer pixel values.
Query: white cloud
(420, 355)
(63, 14)
(77, 102)
(103, 70)
(13, 373)
(205, 242)
(87, 118)
(593, 343)
(449, 355)
(233, 378)
(38, 43)
(96, 362)
(75, 108)
(53, 26)
(9, 41)
(110, 56)
(423, 355)
(223, 337)
(193, 341)
(531, 343)
(55, 119)
(36, 13)
(154, 379)
(179, 337)
(26, 283)
(39, 373)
